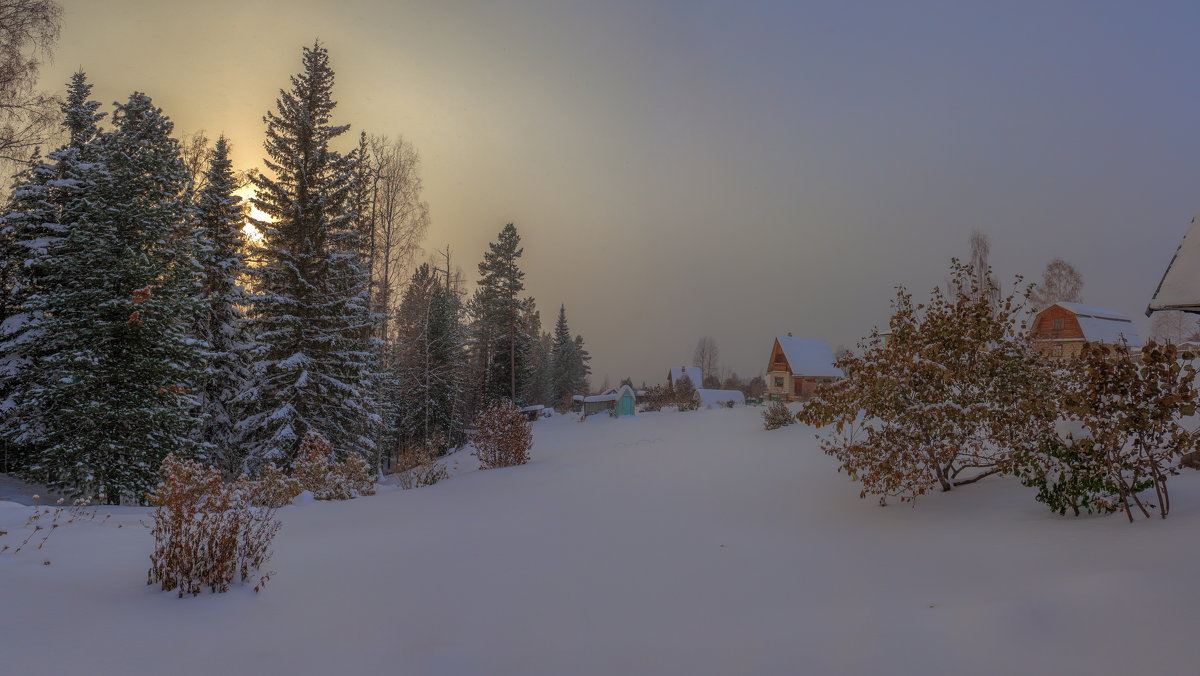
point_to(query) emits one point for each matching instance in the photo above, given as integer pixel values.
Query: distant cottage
(692, 373)
(1061, 329)
(799, 366)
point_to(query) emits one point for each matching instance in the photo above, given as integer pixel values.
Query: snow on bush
(502, 436)
(327, 479)
(777, 415)
(1127, 412)
(944, 401)
(274, 488)
(207, 532)
(419, 465)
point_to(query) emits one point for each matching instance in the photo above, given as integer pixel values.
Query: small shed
(719, 398)
(626, 403)
(599, 402)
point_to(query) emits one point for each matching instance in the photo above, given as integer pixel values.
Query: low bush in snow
(419, 465)
(327, 479)
(502, 436)
(656, 397)
(777, 415)
(207, 532)
(1127, 436)
(274, 488)
(45, 521)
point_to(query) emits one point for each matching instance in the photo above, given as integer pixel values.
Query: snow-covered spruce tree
(537, 365)
(583, 371)
(45, 201)
(310, 307)
(221, 324)
(430, 364)
(948, 399)
(111, 397)
(500, 343)
(569, 369)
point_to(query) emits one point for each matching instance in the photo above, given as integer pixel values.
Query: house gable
(779, 360)
(1057, 323)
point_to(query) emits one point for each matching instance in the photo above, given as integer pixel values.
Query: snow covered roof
(1101, 325)
(719, 398)
(809, 357)
(1093, 311)
(1179, 288)
(692, 372)
(601, 397)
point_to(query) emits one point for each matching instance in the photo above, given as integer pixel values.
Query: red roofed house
(799, 366)
(1061, 329)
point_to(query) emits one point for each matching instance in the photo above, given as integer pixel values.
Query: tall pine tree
(311, 303)
(569, 369)
(221, 323)
(45, 202)
(112, 395)
(501, 343)
(430, 365)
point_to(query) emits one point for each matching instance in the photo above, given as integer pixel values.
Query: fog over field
(736, 170)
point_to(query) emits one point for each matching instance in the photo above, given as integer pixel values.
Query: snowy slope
(668, 543)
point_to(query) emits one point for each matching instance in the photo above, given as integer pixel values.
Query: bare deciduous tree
(1061, 282)
(707, 358)
(1174, 327)
(196, 149)
(28, 31)
(396, 219)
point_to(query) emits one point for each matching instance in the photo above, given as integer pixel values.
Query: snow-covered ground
(672, 543)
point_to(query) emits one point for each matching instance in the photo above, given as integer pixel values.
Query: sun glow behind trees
(255, 237)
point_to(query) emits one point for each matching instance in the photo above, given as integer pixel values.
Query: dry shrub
(419, 464)
(317, 472)
(777, 415)
(1129, 411)
(502, 437)
(274, 488)
(45, 521)
(942, 403)
(207, 532)
(656, 397)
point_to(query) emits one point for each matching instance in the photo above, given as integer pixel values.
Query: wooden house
(1061, 329)
(799, 366)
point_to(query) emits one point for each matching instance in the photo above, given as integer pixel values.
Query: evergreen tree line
(139, 319)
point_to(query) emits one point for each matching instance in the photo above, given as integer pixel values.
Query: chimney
(789, 334)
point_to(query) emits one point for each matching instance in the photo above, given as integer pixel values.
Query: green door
(625, 405)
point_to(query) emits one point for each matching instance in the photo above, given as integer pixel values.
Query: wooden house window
(1058, 323)
(779, 382)
(1058, 350)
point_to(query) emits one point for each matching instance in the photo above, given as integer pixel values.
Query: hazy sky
(733, 169)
